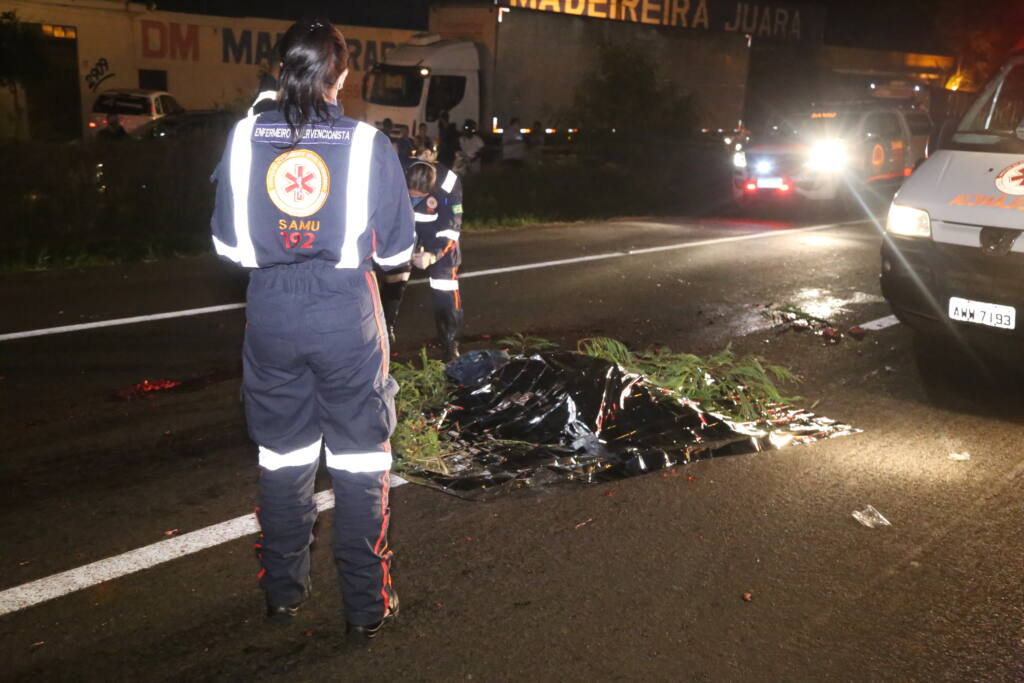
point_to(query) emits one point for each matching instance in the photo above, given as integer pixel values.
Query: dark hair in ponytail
(313, 57)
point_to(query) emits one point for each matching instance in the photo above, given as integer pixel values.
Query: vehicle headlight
(764, 166)
(739, 160)
(827, 155)
(907, 222)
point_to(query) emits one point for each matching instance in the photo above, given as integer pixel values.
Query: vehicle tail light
(784, 187)
(751, 187)
(92, 124)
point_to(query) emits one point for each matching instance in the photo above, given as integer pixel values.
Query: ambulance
(952, 257)
(830, 152)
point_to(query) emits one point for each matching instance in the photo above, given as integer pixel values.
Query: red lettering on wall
(184, 42)
(169, 40)
(154, 39)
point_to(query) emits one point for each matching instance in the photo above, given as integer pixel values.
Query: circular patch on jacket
(431, 203)
(298, 182)
(1011, 179)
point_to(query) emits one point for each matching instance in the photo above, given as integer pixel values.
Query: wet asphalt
(651, 587)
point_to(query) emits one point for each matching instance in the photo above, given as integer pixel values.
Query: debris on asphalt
(38, 644)
(960, 456)
(871, 518)
(584, 523)
(557, 416)
(791, 318)
(748, 596)
(146, 387)
(170, 532)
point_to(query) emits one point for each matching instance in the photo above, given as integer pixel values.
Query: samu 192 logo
(1011, 179)
(298, 182)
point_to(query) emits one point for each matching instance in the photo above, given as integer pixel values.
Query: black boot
(449, 325)
(360, 635)
(391, 294)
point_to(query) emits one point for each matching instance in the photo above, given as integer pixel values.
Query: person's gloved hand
(423, 259)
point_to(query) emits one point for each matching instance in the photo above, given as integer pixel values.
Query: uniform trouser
(392, 289)
(315, 376)
(447, 302)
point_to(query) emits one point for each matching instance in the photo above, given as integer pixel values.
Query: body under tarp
(558, 416)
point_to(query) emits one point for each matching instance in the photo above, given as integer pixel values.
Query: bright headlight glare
(827, 155)
(739, 160)
(764, 167)
(908, 222)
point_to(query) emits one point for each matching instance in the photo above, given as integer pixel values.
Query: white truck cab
(819, 154)
(422, 79)
(952, 259)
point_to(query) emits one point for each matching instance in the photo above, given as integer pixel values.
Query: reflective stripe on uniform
(452, 235)
(449, 181)
(424, 217)
(265, 95)
(444, 285)
(357, 194)
(240, 168)
(272, 460)
(376, 461)
(226, 251)
(396, 260)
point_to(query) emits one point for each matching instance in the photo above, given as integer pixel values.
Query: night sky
(881, 24)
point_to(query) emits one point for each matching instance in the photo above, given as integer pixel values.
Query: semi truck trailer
(495, 63)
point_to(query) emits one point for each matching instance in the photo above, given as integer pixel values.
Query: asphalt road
(652, 588)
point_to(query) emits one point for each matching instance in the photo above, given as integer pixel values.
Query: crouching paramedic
(438, 211)
(442, 231)
(307, 198)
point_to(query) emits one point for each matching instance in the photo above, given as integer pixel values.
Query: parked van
(953, 260)
(819, 154)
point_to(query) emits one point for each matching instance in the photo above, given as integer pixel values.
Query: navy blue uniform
(309, 220)
(438, 230)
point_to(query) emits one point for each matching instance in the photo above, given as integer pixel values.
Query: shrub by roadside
(76, 205)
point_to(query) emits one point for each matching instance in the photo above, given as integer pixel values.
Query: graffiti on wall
(98, 73)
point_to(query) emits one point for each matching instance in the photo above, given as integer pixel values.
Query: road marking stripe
(58, 585)
(478, 273)
(881, 323)
(650, 250)
(118, 321)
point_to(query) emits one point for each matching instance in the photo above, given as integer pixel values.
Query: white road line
(881, 323)
(58, 585)
(651, 250)
(462, 276)
(118, 321)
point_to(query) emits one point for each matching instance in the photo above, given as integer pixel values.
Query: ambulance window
(1000, 108)
(885, 126)
(445, 94)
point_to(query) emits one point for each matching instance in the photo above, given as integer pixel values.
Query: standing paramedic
(308, 198)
